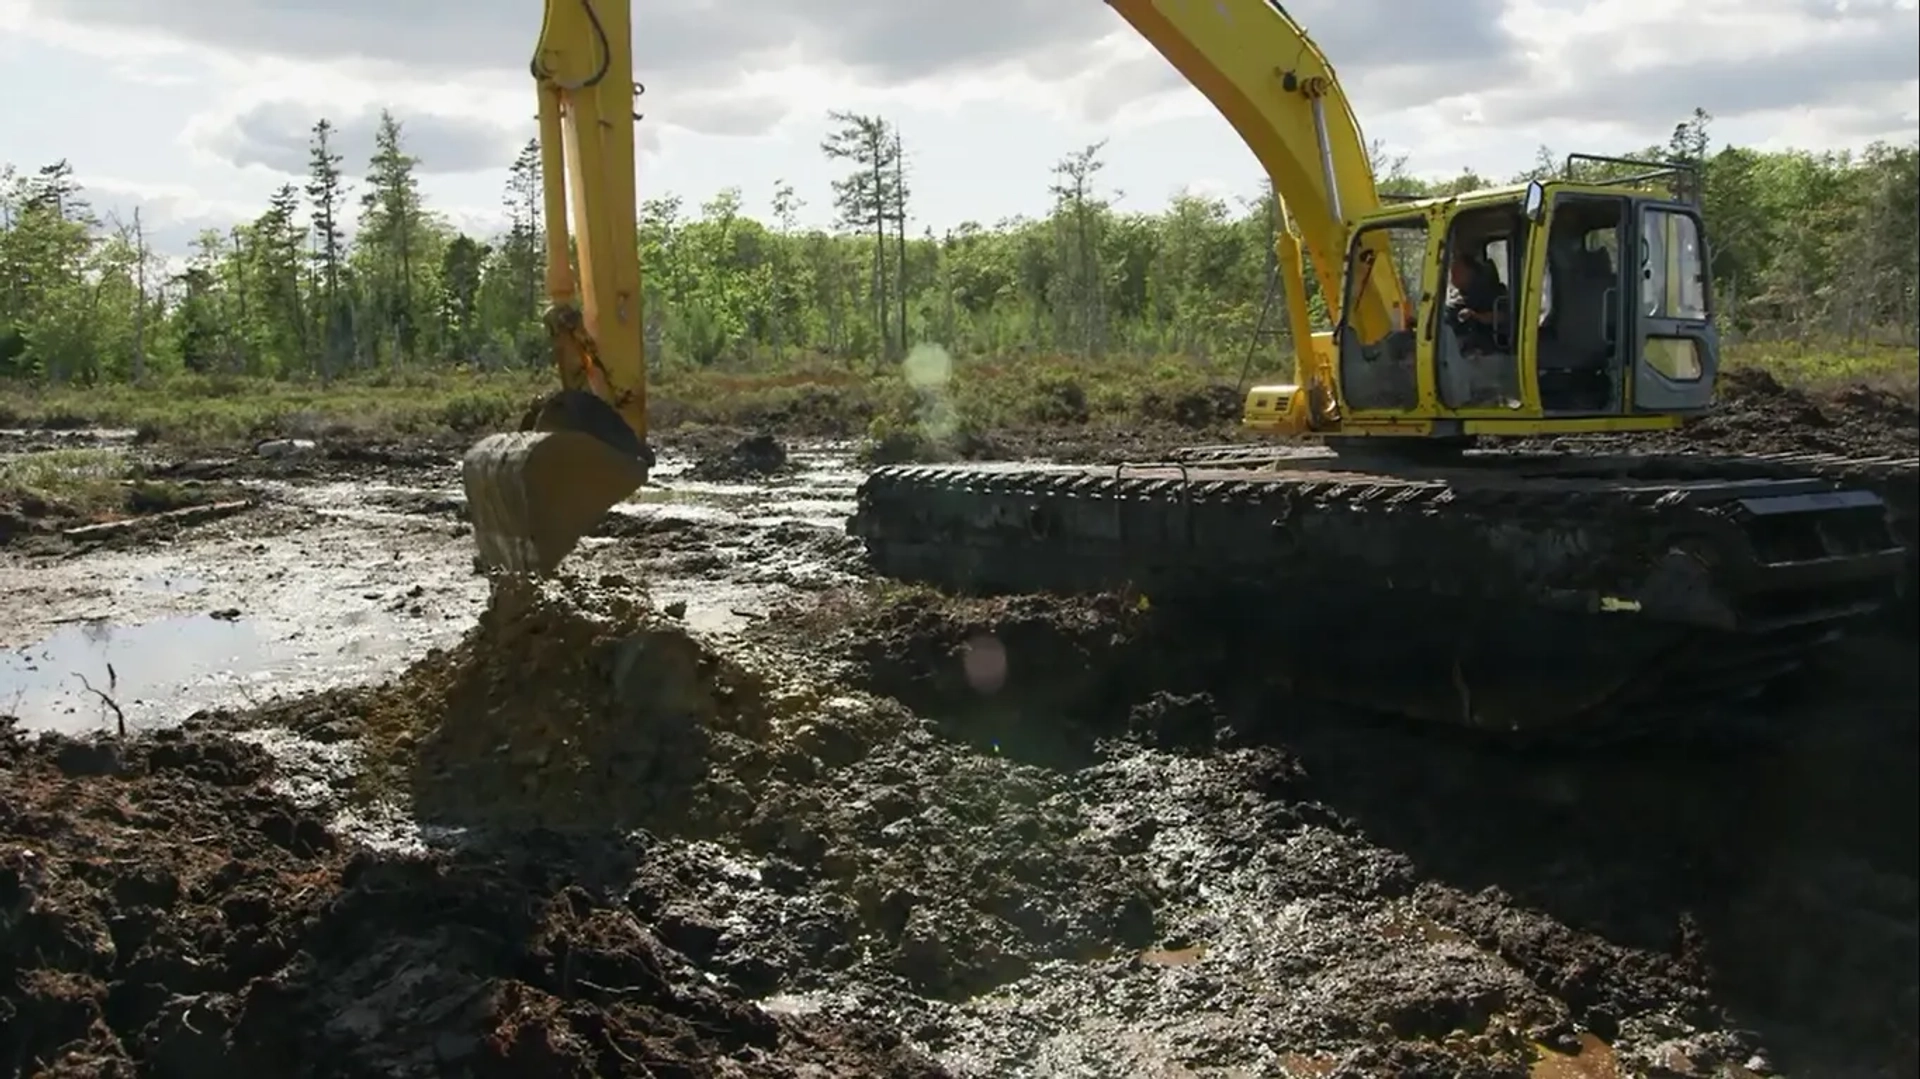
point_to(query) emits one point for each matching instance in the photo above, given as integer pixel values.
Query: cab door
(1675, 347)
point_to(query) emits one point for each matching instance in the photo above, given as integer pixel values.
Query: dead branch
(183, 515)
(120, 717)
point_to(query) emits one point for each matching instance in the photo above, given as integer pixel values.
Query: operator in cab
(1476, 290)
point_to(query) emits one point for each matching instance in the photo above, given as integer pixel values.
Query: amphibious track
(1499, 590)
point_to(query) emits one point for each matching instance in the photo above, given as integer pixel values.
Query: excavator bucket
(531, 494)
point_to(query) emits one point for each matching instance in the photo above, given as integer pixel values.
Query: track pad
(532, 494)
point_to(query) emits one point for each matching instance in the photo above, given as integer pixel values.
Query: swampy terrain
(713, 803)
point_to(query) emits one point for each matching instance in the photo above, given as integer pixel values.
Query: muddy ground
(1756, 413)
(712, 804)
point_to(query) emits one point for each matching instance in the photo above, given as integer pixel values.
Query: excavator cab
(1601, 322)
(1616, 320)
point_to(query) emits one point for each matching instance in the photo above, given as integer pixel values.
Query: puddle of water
(824, 472)
(831, 513)
(76, 434)
(1593, 1060)
(716, 606)
(791, 1004)
(168, 658)
(689, 494)
(167, 669)
(1174, 957)
(680, 511)
(171, 584)
(1308, 1065)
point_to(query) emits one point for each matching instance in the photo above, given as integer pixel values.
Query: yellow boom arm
(532, 494)
(1264, 74)
(583, 66)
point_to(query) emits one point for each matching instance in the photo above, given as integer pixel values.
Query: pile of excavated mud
(1757, 413)
(576, 706)
(570, 705)
(754, 457)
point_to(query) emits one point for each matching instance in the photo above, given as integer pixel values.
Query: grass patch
(63, 488)
(88, 483)
(959, 399)
(1830, 367)
(222, 410)
(813, 398)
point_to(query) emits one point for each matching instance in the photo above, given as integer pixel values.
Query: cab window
(1673, 275)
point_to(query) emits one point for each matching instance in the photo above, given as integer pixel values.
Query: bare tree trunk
(139, 299)
(236, 343)
(880, 257)
(900, 237)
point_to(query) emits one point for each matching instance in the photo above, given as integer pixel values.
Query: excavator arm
(583, 67)
(1261, 71)
(532, 494)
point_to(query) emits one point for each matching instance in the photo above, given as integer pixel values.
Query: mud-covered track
(1895, 479)
(1512, 592)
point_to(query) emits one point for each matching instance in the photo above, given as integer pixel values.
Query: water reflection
(143, 667)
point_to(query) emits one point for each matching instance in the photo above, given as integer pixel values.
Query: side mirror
(1535, 204)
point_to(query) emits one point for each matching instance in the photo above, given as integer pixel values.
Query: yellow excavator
(1399, 368)
(1402, 557)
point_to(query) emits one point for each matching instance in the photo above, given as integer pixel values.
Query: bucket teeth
(531, 495)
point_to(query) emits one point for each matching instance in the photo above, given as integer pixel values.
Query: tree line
(1804, 245)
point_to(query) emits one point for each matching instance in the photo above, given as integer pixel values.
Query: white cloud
(170, 217)
(1632, 63)
(277, 134)
(211, 100)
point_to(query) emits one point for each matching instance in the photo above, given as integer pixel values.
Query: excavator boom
(1261, 71)
(532, 494)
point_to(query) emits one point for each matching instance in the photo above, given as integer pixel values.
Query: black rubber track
(1504, 591)
(1896, 480)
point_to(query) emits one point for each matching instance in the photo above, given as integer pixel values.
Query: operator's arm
(1477, 301)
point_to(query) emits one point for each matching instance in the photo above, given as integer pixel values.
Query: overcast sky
(196, 109)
